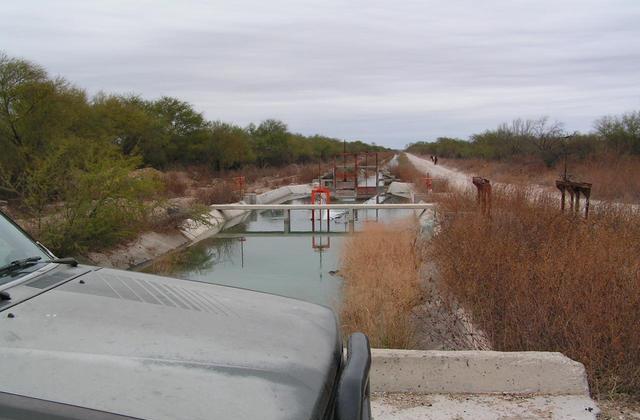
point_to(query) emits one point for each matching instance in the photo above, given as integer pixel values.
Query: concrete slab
(274, 196)
(401, 189)
(196, 231)
(300, 189)
(433, 371)
(481, 407)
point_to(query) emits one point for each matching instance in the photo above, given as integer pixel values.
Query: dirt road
(462, 182)
(458, 180)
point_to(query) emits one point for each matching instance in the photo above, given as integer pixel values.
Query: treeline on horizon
(39, 115)
(612, 135)
(68, 162)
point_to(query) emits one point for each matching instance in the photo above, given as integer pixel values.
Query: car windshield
(15, 245)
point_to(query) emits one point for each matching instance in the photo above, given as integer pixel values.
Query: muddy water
(256, 254)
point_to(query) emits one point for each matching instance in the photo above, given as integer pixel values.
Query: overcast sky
(386, 71)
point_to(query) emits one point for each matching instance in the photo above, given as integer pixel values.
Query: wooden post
(571, 199)
(587, 196)
(483, 196)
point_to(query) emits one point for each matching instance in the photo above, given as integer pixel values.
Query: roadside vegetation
(534, 278)
(534, 151)
(387, 293)
(531, 278)
(84, 173)
(382, 284)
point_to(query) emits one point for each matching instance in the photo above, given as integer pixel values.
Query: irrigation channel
(258, 254)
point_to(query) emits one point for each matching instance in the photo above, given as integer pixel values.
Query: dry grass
(215, 187)
(222, 192)
(187, 180)
(255, 176)
(176, 183)
(535, 279)
(614, 178)
(381, 284)
(405, 171)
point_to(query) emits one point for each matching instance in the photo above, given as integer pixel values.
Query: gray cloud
(389, 72)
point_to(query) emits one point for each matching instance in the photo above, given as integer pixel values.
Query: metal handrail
(358, 206)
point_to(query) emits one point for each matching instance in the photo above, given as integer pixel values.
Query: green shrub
(101, 200)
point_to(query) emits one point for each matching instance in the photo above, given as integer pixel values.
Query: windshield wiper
(27, 262)
(18, 264)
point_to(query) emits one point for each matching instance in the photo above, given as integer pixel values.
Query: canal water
(256, 254)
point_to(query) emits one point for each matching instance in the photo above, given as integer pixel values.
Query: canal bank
(153, 244)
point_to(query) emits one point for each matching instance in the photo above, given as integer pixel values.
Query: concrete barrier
(300, 190)
(232, 214)
(196, 231)
(476, 372)
(401, 189)
(273, 196)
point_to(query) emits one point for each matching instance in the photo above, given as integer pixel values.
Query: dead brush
(222, 192)
(381, 284)
(405, 171)
(613, 177)
(308, 172)
(176, 183)
(533, 278)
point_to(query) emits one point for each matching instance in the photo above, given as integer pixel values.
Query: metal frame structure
(352, 209)
(317, 195)
(347, 168)
(574, 189)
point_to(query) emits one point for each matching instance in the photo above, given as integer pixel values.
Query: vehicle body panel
(159, 348)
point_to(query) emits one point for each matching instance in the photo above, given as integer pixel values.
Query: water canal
(256, 254)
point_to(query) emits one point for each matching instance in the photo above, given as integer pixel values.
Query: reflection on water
(255, 254)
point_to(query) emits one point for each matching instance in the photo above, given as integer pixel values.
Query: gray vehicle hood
(159, 348)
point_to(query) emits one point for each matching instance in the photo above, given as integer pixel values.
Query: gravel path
(408, 406)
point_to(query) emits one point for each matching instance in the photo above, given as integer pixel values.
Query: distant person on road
(435, 160)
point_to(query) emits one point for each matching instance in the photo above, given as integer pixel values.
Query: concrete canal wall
(151, 245)
(216, 221)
